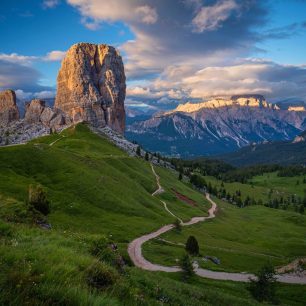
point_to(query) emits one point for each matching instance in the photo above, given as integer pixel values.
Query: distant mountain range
(218, 126)
(281, 152)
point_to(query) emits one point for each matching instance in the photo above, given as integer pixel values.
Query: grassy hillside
(282, 152)
(266, 186)
(97, 193)
(285, 186)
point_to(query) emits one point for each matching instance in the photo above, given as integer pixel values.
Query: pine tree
(239, 202)
(263, 288)
(187, 267)
(192, 246)
(138, 151)
(301, 209)
(147, 156)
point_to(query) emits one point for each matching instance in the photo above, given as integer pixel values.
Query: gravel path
(135, 250)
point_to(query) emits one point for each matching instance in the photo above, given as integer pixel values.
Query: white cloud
(210, 18)
(49, 4)
(165, 30)
(115, 10)
(146, 14)
(26, 60)
(24, 95)
(143, 92)
(130, 103)
(16, 58)
(248, 77)
(54, 56)
(45, 94)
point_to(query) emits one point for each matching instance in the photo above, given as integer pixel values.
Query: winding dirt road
(135, 250)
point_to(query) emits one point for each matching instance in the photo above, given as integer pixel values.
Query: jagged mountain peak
(217, 126)
(238, 101)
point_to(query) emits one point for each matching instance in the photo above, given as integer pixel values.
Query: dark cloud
(179, 32)
(16, 76)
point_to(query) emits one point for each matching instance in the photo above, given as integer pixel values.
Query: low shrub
(98, 246)
(100, 275)
(5, 230)
(38, 200)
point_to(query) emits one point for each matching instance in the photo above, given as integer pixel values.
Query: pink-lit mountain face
(218, 126)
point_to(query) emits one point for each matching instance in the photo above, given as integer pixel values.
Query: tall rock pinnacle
(8, 108)
(91, 86)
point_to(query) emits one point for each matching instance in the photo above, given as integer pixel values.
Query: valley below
(100, 193)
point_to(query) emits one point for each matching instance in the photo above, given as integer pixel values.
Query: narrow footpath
(135, 249)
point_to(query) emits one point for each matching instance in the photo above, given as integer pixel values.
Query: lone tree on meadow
(38, 199)
(263, 288)
(187, 268)
(192, 246)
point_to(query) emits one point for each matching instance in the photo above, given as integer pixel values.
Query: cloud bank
(194, 49)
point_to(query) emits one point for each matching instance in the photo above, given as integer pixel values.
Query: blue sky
(173, 51)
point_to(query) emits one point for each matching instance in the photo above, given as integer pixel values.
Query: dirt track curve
(135, 249)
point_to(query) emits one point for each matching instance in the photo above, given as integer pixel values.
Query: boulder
(8, 107)
(91, 86)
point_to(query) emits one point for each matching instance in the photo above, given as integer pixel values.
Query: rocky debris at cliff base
(129, 147)
(19, 132)
(116, 138)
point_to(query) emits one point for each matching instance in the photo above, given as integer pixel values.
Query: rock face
(217, 127)
(34, 110)
(8, 108)
(256, 101)
(38, 113)
(91, 86)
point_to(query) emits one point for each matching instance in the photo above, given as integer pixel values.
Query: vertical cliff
(8, 108)
(91, 86)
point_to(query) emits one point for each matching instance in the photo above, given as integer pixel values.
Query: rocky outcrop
(34, 110)
(38, 113)
(91, 86)
(8, 108)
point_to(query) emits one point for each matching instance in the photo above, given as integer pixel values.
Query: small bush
(5, 230)
(177, 225)
(98, 246)
(99, 275)
(192, 246)
(38, 200)
(107, 252)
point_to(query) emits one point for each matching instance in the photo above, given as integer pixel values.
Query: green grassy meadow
(243, 239)
(96, 190)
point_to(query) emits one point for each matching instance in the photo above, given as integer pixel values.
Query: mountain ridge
(280, 152)
(217, 130)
